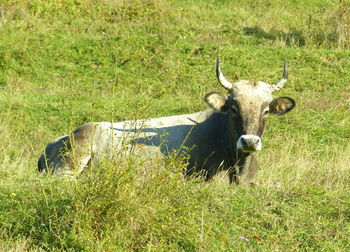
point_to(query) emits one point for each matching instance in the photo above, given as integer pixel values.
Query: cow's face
(248, 105)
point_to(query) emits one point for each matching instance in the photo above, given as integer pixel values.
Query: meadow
(67, 62)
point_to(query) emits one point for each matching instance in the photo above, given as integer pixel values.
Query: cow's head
(248, 104)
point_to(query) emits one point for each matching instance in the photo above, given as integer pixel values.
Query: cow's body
(200, 138)
(220, 138)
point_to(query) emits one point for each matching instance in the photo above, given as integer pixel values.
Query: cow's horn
(283, 80)
(221, 78)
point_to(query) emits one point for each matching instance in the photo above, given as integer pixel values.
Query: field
(67, 62)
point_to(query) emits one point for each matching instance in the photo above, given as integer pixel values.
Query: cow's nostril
(249, 143)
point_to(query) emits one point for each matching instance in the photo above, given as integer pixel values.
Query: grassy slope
(66, 62)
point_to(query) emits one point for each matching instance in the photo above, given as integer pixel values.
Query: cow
(223, 137)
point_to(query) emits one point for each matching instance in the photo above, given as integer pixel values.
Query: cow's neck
(224, 137)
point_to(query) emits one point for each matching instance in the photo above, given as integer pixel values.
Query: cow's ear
(217, 101)
(281, 105)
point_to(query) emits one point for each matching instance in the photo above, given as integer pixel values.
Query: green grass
(67, 62)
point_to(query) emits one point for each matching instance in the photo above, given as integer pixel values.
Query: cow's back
(165, 133)
(93, 142)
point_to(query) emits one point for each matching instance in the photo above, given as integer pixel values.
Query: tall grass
(64, 63)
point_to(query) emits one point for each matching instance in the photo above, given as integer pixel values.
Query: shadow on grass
(293, 38)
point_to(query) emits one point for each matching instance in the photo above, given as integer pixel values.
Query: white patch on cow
(254, 142)
(112, 137)
(83, 163)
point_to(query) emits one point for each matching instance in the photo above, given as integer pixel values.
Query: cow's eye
(266, 112)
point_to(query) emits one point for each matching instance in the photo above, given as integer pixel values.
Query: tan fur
(250, 169)
(80, 142)
(216, 100)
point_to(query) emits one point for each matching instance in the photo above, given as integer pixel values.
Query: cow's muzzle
(249, 143)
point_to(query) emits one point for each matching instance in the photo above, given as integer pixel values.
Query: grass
(65, 62)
